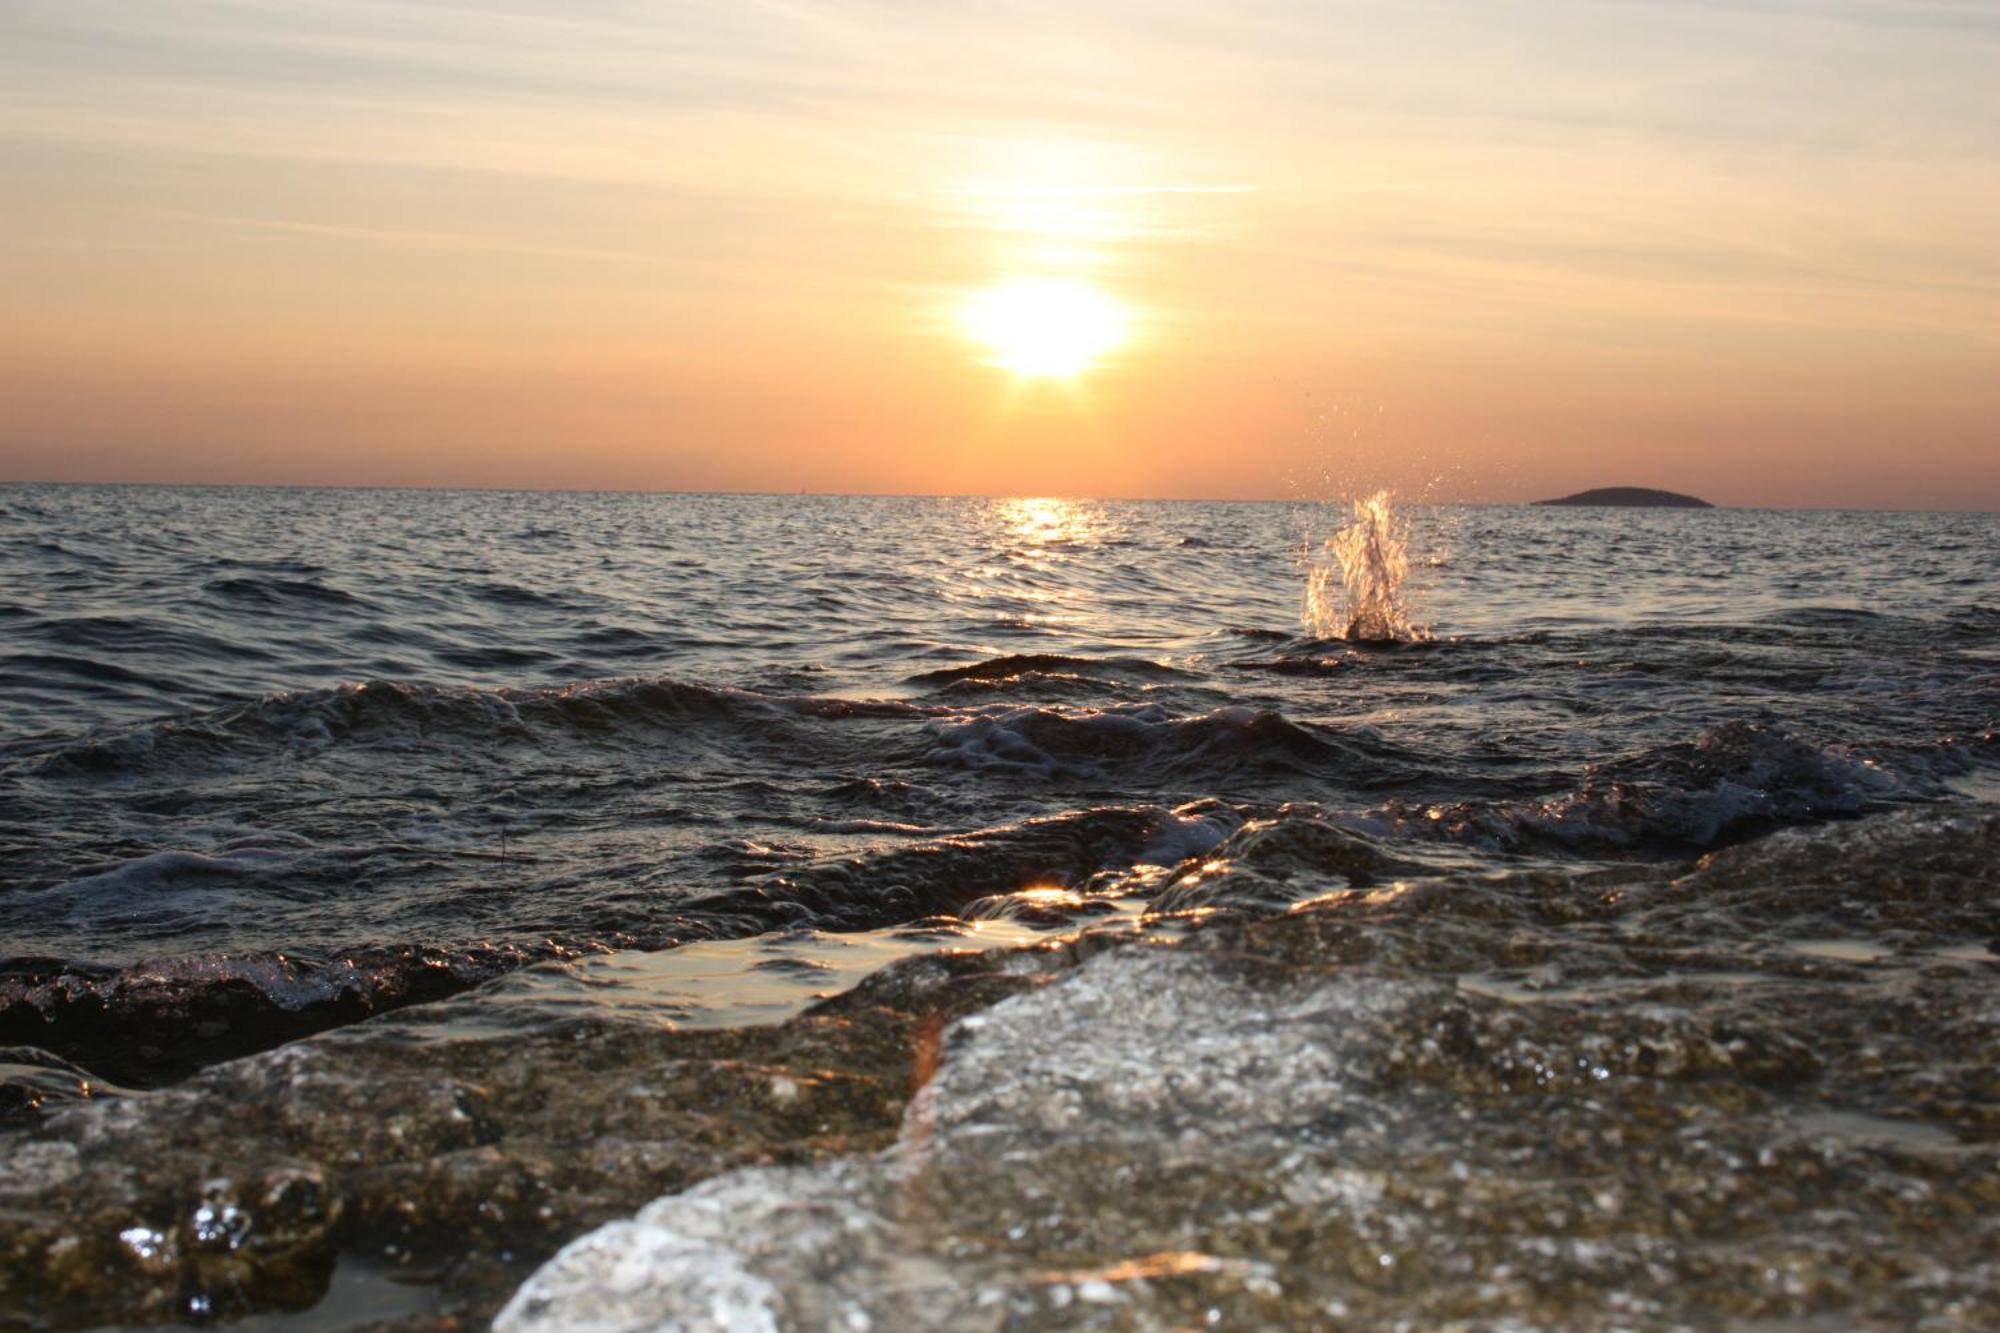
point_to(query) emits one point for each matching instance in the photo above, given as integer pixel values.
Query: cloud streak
(427, 240)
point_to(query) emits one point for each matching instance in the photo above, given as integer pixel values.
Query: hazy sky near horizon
(1486, 250)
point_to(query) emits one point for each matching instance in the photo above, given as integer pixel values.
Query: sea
(283, 766)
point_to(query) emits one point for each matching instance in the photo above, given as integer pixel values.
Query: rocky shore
(1754, 1088)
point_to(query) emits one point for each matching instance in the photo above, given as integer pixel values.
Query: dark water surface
(273, 762)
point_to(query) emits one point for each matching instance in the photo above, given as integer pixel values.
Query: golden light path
(1046, 327)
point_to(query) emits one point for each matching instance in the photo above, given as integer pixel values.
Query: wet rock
(34, 1082)
(1260, 1129)
(885, 888)
(457, 1162)
(1271, 864)
(1370, 1092)
(155, 1022)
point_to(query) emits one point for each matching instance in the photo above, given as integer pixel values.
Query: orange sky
(1479, 251)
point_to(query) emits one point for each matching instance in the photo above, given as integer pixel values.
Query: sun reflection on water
(1046, 521)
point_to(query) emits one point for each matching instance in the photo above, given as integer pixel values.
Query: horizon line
(949, 495)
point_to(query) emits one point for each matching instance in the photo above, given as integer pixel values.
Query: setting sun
(1046, 326)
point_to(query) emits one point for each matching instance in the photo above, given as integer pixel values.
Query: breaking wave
(1732, 781)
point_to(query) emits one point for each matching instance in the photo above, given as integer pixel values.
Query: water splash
(1355, 587)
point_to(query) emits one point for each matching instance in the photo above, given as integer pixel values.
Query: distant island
(1631, 495)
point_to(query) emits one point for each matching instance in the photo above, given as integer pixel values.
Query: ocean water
(283, 762)
(369, 746)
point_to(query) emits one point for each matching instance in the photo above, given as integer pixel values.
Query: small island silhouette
(1631, 495)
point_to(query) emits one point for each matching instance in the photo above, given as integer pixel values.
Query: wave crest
(1732, 781)
(1073, 744)
(395, 711)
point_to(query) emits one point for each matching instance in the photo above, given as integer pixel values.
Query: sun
(1046, 327)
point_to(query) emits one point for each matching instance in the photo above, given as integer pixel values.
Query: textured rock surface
(456, 1163)
(1306, 1120)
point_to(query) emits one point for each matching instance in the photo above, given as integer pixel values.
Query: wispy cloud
(1033, 191)
(456, 241)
